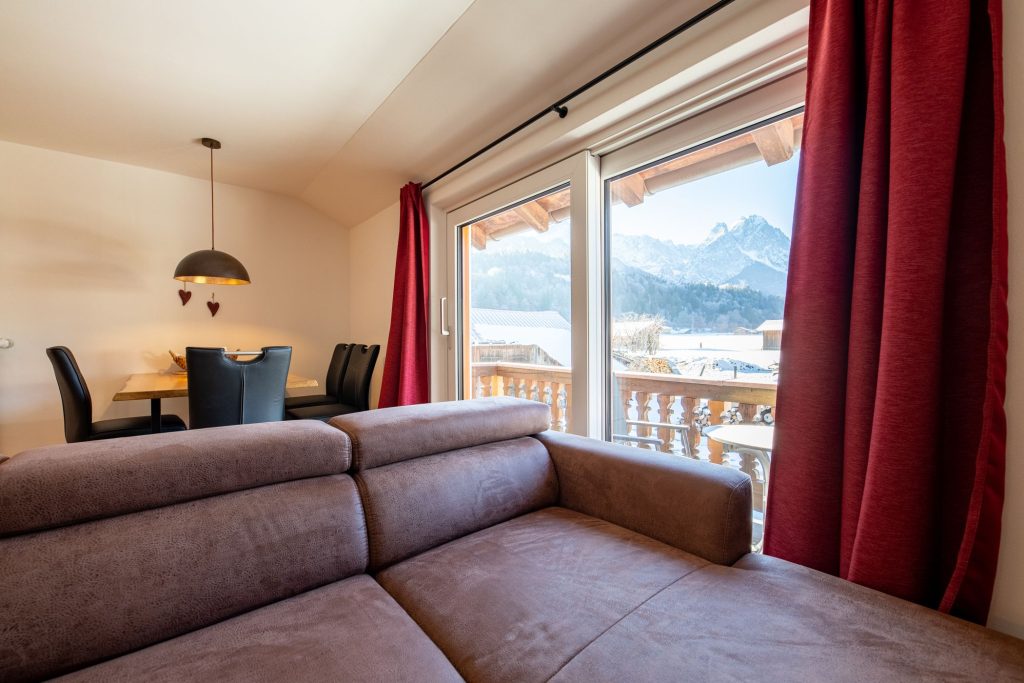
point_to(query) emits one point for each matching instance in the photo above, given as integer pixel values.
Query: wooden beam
(559, 215)
(478, 237)
(629, 190)
(534, 215)
(506, 230)
(775, 142)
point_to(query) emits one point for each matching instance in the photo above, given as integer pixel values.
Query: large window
(517, 303)
(653, 319)
(698, 253)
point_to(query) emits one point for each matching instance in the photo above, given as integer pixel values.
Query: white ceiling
(337, 102)
(283, 85)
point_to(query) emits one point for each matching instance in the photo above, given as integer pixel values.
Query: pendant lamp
(209, 266)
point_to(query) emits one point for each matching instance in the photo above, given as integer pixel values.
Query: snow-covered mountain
(665, 259)
(752, 252)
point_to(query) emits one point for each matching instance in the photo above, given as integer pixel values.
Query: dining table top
(749, 436)
(157, 385)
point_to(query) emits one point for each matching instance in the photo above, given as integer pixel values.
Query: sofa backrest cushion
(390, 435)
(172, 533)
(416, 505)
(78, 594)
(49, 487)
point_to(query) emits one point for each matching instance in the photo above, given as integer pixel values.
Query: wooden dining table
(159, 385)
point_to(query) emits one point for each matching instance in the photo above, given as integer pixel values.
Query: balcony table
(160, 385)
(758, 437)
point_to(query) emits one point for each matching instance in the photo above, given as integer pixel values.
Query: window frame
(588, 175)
(777, 101)
(580, 172)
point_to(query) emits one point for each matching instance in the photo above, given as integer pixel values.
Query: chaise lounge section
(451, 541)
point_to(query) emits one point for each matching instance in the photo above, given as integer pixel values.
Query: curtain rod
(559, 106)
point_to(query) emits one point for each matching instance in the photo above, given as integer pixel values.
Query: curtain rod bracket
(562, 111)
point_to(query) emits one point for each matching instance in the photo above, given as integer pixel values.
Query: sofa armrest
(698, 507)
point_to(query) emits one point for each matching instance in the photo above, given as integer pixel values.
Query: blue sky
(686, 213)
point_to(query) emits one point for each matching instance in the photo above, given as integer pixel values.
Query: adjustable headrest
(58, 485)
(382, 437)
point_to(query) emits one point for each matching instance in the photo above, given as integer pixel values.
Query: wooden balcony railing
(654, 410)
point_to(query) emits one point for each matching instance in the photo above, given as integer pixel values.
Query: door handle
(444, 316)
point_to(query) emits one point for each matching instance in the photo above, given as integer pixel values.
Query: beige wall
(371, 273)
(87, 251)
(1008, 602)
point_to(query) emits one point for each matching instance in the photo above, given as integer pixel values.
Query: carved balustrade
(654, 410)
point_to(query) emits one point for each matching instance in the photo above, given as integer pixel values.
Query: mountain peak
(716, 232)
(751, 223)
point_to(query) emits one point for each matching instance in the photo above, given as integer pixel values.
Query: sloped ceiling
(337, 102)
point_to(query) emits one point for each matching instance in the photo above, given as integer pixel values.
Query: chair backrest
(355, 385)
(74, 394)
(224, 392)
(336, 370)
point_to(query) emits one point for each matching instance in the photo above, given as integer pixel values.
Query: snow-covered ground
(717, 354)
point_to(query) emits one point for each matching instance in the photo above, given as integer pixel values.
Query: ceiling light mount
(209, 266)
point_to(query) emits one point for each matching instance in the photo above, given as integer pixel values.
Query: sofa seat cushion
(347, 631)
(767, 619)
(516, 601)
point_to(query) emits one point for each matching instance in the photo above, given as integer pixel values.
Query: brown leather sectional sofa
(445, 542)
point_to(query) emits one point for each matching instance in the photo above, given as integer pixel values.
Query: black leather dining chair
(77, 403)
(354, 393)
(332, 385)
(222, 391)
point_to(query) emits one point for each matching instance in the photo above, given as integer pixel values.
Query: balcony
(655, 410)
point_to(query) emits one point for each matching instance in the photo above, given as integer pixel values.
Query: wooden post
(667, 436)
(715, 449)
(643, 411)
(627, 397)
(693, 434)
(556, 409)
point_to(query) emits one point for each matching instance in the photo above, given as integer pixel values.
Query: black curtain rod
(559, 106)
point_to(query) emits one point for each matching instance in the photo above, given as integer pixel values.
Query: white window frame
(587, 175)
(781, 98)
(580, 171)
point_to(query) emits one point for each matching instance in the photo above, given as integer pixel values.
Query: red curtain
(406, 377)
(889, 452)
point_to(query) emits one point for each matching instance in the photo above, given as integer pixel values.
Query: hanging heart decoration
(213, 306)
(185, 296)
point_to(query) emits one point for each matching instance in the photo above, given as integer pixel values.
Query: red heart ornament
(185, 296)
(214, 306)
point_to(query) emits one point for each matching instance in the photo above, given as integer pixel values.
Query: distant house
(771, 335)
(539, 337)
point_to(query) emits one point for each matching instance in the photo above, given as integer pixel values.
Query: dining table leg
(154, 414)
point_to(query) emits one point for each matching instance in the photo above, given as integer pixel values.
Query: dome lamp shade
(210, 266)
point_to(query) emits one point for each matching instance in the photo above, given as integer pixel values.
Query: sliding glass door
(522, 294)
(698, 252)
(639, 294)
(516, 334)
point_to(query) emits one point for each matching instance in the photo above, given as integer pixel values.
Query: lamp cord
(211, 202)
